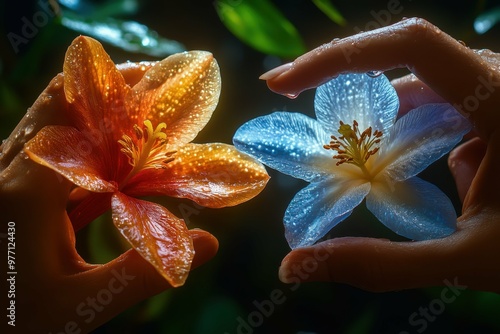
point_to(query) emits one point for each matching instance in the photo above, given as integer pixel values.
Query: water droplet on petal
(374, 74)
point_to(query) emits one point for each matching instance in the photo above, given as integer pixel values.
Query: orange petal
(159, 236)
(213, 175)
(94, 87)
(181, 91)
(71, 154)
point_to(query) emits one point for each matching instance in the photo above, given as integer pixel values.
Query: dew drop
(28, 129)
(374, 74)
(292, 95)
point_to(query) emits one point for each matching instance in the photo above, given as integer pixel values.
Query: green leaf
(104, 241)
(101, 9)
(363, 323)
(329, 10)
(127, 35)
(477, 306)
(217, 315)
(487, 20)
(156, 306)
(262, 26)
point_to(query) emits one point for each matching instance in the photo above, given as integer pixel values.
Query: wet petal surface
(413, 208)
(181, 91)
(94, 88)
(159, 236)
(316, 209)
(370, 101)
(421, 137)
(71, 154)
(291, 143)
(212, 175)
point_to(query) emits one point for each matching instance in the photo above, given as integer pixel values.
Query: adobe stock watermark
(264, 309)
(88, 309)
(425, 315)
(31, 26)
(381, 18)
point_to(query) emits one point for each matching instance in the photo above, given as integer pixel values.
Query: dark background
(223, 294)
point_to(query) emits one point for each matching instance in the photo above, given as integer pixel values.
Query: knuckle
(420, 29)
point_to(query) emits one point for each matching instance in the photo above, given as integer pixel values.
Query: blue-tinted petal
(421, 137)
(369, 101)
(413, 208)
(291, 143)
(320, 206)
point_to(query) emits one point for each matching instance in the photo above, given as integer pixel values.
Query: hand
(55, 289)
(442, 69)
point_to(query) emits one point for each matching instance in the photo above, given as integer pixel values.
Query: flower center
(148, 150)
(355, 147)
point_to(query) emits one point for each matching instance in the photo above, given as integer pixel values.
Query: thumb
(371, 264)
(127, 280)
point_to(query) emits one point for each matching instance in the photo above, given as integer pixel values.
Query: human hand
(55, 289)
(443, 69)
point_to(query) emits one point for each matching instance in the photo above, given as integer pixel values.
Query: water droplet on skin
(292, 95)
(374, 74)
(28, 129)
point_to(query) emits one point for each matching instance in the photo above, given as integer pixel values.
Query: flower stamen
(148, 150)
(354, 147)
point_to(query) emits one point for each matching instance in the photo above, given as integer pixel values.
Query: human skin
(52, 279)
(443, 69)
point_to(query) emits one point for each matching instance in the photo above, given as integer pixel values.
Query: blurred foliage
(131, 36)
(329, 9)
(251, 236)
(127, 35)
(261, 25)
(485, 21)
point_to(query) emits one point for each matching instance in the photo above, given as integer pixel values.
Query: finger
(483, 191)
(464, 162)
(48, 109)
(367, 263)
(381, 265)
(413, 93)
(460, 259)
(450, 69)
(127, 280)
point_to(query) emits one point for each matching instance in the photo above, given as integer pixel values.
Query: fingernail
(276, 72)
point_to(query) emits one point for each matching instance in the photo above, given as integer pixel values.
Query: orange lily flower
(126, 142)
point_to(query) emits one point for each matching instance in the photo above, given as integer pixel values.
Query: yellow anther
(148, 150)
(354, 147)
